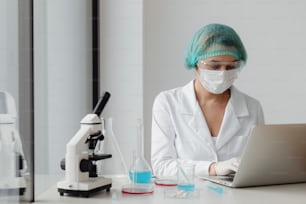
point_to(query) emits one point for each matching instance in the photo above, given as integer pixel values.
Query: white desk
(280, 194)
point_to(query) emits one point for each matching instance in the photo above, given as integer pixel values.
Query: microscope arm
(75, 145)
(75, 154)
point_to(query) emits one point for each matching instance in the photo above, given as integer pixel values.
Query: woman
(207, 121)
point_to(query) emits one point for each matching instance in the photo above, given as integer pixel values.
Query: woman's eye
(215, 67)
(230, 67)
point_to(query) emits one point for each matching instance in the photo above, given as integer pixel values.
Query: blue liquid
(216, 189)
(189, 187)
(140, 176)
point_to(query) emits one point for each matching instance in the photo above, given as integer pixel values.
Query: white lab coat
(180, 132)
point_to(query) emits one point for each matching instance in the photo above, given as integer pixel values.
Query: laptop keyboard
(227, 178)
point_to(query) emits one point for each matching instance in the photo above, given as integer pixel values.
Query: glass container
(140, 171)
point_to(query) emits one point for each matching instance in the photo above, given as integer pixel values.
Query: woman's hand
(224, 168)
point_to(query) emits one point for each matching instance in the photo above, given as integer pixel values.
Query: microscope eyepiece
(101, 103)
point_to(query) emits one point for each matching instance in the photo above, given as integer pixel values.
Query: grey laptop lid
(274, 154)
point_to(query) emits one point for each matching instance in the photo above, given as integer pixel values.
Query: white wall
(122, 67)
(142, 46)
(9, 56)
(274, 36)
(63, 65)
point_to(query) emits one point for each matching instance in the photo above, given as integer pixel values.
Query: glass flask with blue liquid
(140, 171)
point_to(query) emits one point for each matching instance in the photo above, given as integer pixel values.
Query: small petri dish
(165, 182)
(180, 194)
(137, 189)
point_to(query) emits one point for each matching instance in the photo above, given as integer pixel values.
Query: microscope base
(13, 186)
(84, 188)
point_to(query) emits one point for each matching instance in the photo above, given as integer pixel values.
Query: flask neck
(140, 140)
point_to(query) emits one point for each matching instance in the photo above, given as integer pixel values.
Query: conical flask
(140, 171)
(116, 164)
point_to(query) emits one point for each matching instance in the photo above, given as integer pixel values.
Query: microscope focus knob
(63, 164)
(86, 165)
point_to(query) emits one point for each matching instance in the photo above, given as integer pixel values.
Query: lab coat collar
(189, 107)
(188, 99)
(236, 108)
(238, 102)
(191, 111)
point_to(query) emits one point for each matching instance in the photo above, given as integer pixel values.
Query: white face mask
(217, 81)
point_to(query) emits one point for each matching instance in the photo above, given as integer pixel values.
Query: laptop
(274, 154)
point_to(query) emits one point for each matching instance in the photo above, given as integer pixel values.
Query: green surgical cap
(214, 40)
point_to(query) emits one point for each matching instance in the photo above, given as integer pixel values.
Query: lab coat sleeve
(163, 151)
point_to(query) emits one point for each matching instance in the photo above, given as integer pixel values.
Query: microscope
(13, 165)
(80, 167)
